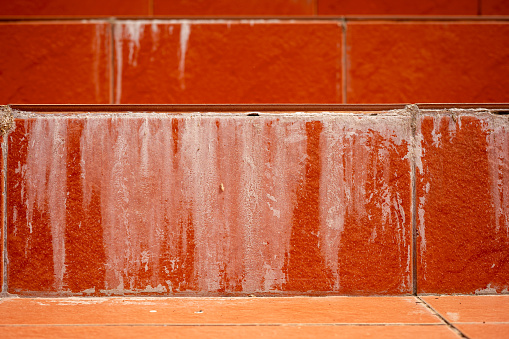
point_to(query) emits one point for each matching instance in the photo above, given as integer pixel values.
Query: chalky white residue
(129, 32)
(45, 177)
(498, 155)
(97, 43)
(269, 177)
(488, 290)
(119, 50)
(133, 164)
(155, 35)
(133, 34)
(347, 147)
(153, 185)
(185, 32)
(454, 316)
(148, 192)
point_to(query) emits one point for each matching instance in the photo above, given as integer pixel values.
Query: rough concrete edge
(6, 120)
(245, 114)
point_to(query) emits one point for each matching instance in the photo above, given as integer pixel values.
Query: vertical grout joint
(413, 111)
(6, 126)
(442, 318)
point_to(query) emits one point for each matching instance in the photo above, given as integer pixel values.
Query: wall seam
(414, 111)
(5, 286)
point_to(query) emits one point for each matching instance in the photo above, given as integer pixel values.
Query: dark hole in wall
(504, 112)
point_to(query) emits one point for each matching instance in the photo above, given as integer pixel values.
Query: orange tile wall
(287, 51)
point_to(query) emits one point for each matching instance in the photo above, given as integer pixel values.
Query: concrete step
(272, 200)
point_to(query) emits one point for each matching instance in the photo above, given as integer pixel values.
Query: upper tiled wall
(27, 8)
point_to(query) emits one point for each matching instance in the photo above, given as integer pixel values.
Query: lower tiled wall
(207, 204)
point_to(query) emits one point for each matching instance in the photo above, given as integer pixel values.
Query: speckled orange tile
(227, 332)
(462, 196)
(296, 310)
(461, 309)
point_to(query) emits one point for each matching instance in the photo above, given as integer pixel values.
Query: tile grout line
(414, 116)
(227, 324)
(344, 82)
(5, 145)
(449, 324)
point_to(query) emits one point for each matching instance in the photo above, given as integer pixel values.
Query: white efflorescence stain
(219, 175)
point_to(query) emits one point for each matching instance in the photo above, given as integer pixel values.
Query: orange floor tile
(293, 317)
(226, 332)
(485, 316)
(297, 317)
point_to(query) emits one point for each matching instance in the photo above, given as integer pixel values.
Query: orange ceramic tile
(65, 62)
(397, 7)
(402, 62)
(463, 202)
(494, 7)
(233, 332)
(234, 7)
(223, 204)
(470, 309)
(218, 311)
(484, 331)
(25, 8)
(227, 62)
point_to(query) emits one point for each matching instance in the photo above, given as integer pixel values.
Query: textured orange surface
(60, 62)
(222, 204)
(427, 62)
(495, 7)
(296, 317)
(397, 7)
(228, 62)
(484, 331)
(462, 204)
(73, 7)
(219, 311)
(234, 7)
(471, 309)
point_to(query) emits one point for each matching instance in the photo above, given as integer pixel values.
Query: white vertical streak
(185, 32)
(498, 155)
(46, 176)
(349, 160)
(119, 50)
